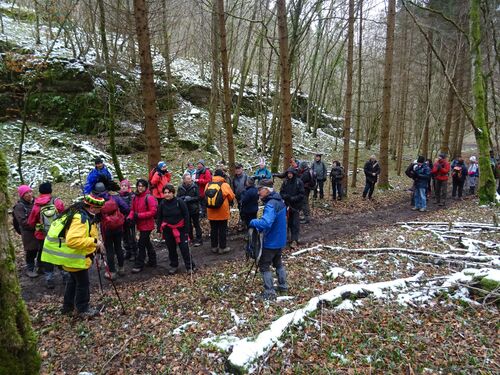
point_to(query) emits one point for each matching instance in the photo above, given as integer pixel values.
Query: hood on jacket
(43, 199)
(293, 170)
(273, 195)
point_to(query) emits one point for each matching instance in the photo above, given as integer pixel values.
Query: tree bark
(226, 83)
(486, 178)
(18, 342)
(171, 132)
(386, 97)
(147, 83)
(285, 97)
(214, 88)
(425, 135)
(358, 104)
(111, 89)
(348, 95)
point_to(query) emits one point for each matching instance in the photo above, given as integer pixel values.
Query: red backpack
(112, 218)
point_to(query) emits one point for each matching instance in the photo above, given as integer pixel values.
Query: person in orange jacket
(440, 171)
(218, 216)
(161, 177)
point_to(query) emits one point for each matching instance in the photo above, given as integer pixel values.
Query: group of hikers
(430, 179)
(114, 221)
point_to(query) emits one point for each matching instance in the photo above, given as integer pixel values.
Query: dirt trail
(332, 227)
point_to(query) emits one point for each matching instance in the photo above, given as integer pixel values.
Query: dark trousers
(203, 208)
(248, 217)
(320, 185)
(218, 233)
(457, 185)
(48, 268)
(77, 293)
(270, 257)
(129, 240)
(441, 187)
(369, 188)
(113, 245)
(337, 189)
(194, 222)
(144, 244)
(31, 256)
(294, 223)
(183, 247)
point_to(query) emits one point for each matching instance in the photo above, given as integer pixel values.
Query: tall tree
(348, 93)
(425, 136)
(227, 89)
(18, 351)
(111, 89)
(214, 79)
(386, 97)
(358, 94)
(486, 178)
(147, 83)
(171, 132)
(285, 97)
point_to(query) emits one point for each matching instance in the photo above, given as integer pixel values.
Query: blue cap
(161, 164)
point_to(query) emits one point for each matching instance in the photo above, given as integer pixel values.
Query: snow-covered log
(483, 226)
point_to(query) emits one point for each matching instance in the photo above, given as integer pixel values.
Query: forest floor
(195, 324)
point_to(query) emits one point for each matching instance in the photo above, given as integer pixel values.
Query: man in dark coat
(372, 170)
(293, 193)
(306, 175)
(190, 194)
(321, 174)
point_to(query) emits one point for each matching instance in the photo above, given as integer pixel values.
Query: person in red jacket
(142, 213)
(440, 171)
(161, 177)
(41, 222)
(202, 178)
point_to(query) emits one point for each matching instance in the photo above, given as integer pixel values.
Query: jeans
(369, 188)
(441, 187)
(113, 245)
(420, 195)
(218, 233)
(320, 185)
(77, 293)
(194, 222)
(183, 247)
(268, 257)
(294, 223)
(143, 244)
(457, 185)
(337, 189)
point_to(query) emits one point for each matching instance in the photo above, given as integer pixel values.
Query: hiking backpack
(213, 195)
(457, 172)
(48, 213)
(116, 219)
(410, 172)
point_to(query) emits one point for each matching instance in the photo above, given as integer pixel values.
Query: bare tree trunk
(286, 106)
(111, 90)
(171, 132)
(226, 83)
(214, 90)
(386, 104)
(348, 95)
(147, 82)
(445, 141)
(358, 104)
(425, 135)
(18, 342)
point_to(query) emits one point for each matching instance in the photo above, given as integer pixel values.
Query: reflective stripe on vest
(56, 251)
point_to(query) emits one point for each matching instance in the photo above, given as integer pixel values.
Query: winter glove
(188, 199)
(136, 216)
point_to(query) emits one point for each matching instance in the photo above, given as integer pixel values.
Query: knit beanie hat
(45, 188)
(23, 189)
(93, 201)
(99, 188)
(202, 162)
(266, 184)
(472, 159)
(98, 160)
(161, 164)
(262, 161)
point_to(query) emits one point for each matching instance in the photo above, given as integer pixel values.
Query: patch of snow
(345, 305)
(221, 342)
(183, 327)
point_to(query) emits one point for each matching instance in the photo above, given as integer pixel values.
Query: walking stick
(99, 274)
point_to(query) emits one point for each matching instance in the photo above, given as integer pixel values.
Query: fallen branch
(453, 225)
(125, 344)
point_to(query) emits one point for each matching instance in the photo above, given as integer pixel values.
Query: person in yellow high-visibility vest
(80, 239)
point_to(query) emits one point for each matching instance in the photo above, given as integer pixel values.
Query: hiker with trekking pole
(273, 226)
(72, 242)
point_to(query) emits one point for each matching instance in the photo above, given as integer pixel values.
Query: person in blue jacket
(273, 225)
(99, 174)
(422, 174)
(262, 173)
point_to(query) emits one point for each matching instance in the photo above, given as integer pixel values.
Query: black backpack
(409, 171)
(254, 245)
(213, 195)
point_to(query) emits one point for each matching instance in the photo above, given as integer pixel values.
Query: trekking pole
(248, 273)
(99, 274)
(80, 177)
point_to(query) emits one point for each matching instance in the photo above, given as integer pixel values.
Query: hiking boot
(197, 243)
(136, 269)
(194, 269)
(66, 310)
(121, 271)
(423, 210)
(293, 245)
(32, 273)
(89, 313)
(225, 250)
(414, 208)
(150, 264)
(215, 250)
(267, 296)
(110, 275)
(305, 220)
(172, 270)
